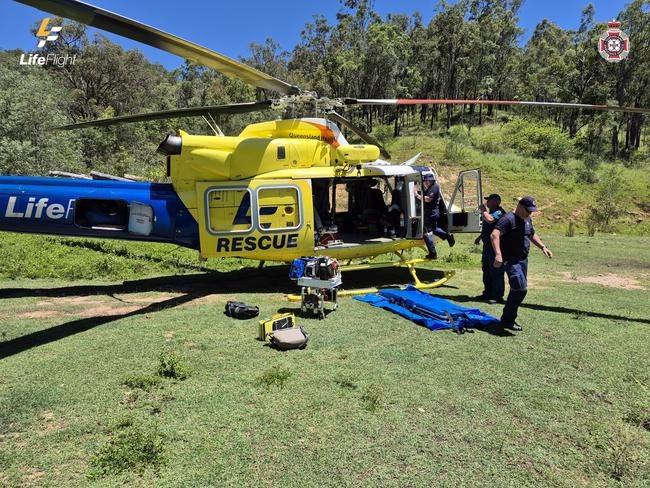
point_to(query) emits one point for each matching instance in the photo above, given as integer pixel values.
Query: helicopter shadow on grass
(192, 287)
(248, 280)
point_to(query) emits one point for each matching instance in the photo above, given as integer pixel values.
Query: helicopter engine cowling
(357, 153)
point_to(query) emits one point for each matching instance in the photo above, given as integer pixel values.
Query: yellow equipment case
(277, 322)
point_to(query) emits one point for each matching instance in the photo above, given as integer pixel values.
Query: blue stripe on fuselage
(46, 206)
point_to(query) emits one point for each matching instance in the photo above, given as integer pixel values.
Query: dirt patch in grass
(104, 305)
(39, 314)
(51, 423)
(540, 283)
(609, 280)
(31, 476)
(80, 300)
(147, 299)
(107, 310)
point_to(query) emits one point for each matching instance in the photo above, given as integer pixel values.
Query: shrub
(141, 381)
(275, 377)
(171, 366)
(346, 383)
(624, 449)
(487, 140)
(132, 447)
(592, 225)
(571, 230)
(457, 257)
(383, 133)
(639, 158)
(586, 173)
(608, 198)
(538, 140)
(371, 398)
(458, 133)
(454, 152)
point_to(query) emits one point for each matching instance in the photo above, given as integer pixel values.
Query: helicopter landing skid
(410, 264)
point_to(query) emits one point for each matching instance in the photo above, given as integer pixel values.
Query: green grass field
(373, 401)
(96, 336)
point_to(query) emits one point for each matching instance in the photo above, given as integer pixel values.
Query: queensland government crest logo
(614, 45)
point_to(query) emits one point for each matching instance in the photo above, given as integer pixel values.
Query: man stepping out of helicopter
(433, 203)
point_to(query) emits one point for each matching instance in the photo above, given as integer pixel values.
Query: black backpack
(240, 310)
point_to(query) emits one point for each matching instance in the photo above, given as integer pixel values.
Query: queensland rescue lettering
(263, 243)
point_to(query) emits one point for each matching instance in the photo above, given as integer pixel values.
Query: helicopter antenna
(210, 125)
(216, 126)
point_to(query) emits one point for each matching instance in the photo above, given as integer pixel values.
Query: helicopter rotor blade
(387, 101)
(364, 136)
(233, 108)
(132, 29)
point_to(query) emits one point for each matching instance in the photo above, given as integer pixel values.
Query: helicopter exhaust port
(171, 145)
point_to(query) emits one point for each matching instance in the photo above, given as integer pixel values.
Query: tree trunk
(635, 130)
(396, 127)
(615, 141)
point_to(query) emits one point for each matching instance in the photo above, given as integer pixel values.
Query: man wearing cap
(493, 284)
(511, 239)
(432, 199)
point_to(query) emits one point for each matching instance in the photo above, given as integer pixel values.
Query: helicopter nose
(171, 145)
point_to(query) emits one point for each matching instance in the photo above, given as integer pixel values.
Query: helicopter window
(229, 210)
(101, 214)
(282, 152)
(279, 208)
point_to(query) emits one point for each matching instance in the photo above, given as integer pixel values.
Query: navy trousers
(517, 272)
(431, 228)
(493, 280)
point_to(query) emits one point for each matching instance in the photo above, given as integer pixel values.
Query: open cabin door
(257, 219)
(414, 210)
(464, 214)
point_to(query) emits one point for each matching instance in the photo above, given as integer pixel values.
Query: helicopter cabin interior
(362, 210)
(352, 211)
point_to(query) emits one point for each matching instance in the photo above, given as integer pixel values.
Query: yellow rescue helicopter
(280, 190)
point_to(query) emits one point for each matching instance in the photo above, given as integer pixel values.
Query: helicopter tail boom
(93, 208)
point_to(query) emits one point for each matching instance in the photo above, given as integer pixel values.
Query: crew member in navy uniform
(511, 242)
(433, 204)
(493, 284)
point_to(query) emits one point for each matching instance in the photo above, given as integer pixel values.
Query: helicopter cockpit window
(279, 208)
(229, 210)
